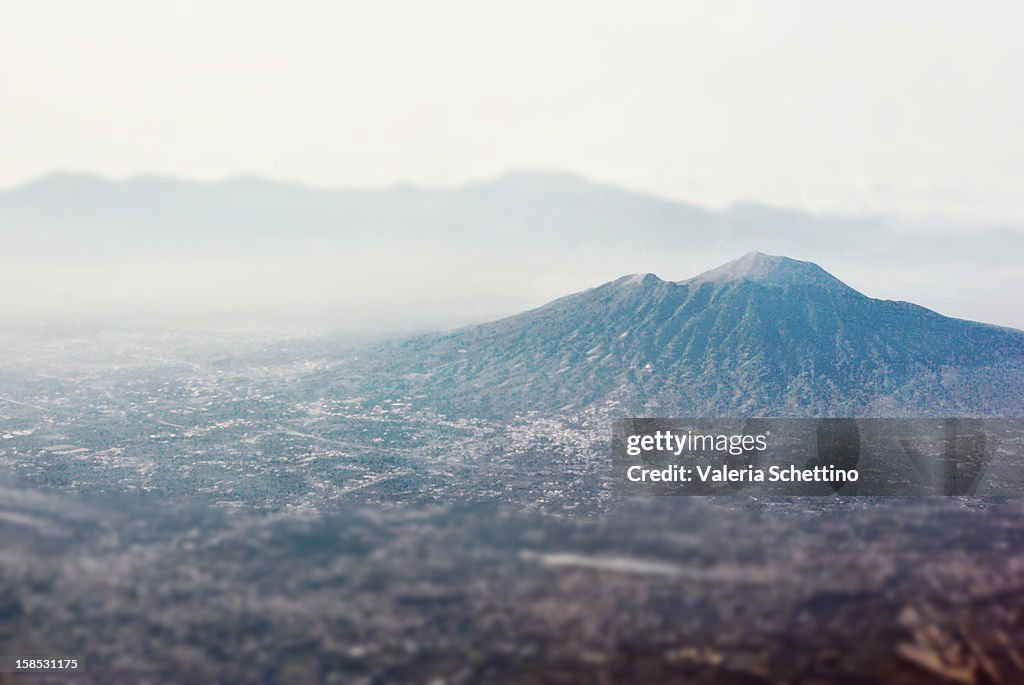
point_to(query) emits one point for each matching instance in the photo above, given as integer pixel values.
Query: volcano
(761, 335)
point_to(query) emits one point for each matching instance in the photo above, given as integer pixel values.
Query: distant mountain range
(155, 248)
(762, 335)
(529, 208)
(517, 207)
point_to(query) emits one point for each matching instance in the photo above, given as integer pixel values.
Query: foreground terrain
(216, 509)
(665, 590)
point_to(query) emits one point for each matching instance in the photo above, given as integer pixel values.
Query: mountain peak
(762, 335)
(769, 270)
(638, 279)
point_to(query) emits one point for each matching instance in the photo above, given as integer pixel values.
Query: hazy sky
(914, 107)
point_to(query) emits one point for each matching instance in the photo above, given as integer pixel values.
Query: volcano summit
(762, 335)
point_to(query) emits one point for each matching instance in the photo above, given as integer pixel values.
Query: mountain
(531, 208)
(527, 208)
(760, 335)
(154, 248)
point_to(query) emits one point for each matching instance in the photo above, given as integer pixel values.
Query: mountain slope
(761, 335)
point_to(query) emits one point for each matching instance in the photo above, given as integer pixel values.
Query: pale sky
(900, 106)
